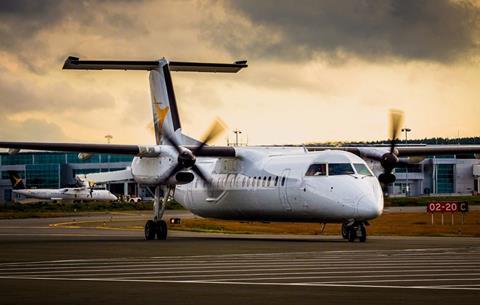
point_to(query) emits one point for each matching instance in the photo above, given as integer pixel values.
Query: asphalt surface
(41, 263)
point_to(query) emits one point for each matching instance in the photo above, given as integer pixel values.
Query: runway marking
(300, 262)
(243, 283)
(445, 269)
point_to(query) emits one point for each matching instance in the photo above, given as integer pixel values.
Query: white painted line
(167, 270)
(52, 269)
(248, 283)
(356, 276)
(279, 254)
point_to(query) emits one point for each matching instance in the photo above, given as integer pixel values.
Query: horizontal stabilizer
(76, 63)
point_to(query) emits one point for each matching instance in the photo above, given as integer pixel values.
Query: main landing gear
(158, 227)
(353, 230)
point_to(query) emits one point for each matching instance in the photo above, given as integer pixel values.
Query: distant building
(56, 170)
(436, 175)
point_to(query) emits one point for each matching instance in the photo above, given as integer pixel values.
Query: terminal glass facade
(43, 175)
(445, 178)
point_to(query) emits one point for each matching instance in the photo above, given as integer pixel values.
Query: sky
(318, 70)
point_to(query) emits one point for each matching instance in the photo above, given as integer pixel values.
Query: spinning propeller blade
(186, 157)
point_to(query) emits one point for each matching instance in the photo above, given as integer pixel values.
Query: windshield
(317, 170)
(362, 169)
(340, 169)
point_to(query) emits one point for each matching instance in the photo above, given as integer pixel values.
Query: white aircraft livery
(83, 193)
(328, 185)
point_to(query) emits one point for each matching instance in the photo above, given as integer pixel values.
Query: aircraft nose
(370, 206)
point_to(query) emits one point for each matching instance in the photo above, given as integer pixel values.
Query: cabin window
(283, 181)
(362, 169)
(335, 169)
(276, 181)
(317, 170)
(264, 183)
(259, 181)
(269, 182)
(243, 181)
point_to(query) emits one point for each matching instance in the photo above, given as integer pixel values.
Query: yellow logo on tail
(161, 115)
(18, 180)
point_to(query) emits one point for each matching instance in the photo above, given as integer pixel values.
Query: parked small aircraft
(82, 193)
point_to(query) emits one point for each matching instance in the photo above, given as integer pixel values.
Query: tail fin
(164, 105)
(17, 182)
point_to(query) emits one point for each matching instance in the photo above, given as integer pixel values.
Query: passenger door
(283, 190)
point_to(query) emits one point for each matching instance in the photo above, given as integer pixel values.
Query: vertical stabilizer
(17, 182)
(164, 104)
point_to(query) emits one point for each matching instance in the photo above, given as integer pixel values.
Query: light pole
(109, 138)
(406, 130)
(236, 132)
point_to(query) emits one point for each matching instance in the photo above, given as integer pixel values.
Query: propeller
(186, 158)
(390, 160)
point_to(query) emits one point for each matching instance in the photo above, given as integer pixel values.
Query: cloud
(30, 130)
(23, 94)
(426, 30)
(25, 26)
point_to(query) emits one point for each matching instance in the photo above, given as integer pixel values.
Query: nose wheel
(156, 229)
(353, 231)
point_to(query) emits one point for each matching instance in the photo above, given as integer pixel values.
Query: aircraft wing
(376, 153)
(133, 150)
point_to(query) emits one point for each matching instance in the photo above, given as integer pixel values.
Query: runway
(100, 266)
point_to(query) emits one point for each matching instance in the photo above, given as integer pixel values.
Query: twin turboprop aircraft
(330, 185)
(82, 193)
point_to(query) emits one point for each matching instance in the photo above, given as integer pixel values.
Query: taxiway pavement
(45, 264)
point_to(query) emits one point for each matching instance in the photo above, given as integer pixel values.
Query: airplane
(291, 184)
(83, 193)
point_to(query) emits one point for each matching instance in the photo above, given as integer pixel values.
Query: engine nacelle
(181, 178)
(151, 171)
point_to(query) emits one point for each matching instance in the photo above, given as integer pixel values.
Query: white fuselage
(68, 194)
(271, 184)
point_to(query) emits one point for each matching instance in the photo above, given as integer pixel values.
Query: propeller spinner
(186, 157)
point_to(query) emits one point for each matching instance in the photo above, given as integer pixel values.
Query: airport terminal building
(448, 175)
(56, 170)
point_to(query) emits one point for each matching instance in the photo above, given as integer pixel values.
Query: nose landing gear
(158, 227)
(353, 230)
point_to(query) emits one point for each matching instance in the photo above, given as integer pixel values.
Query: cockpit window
(317, 170)
(340, 169)
(362, 169)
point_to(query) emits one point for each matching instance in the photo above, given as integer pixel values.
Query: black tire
(150, 230)
(344, 231)
(162, 230)
(363, 238)
(351, 234)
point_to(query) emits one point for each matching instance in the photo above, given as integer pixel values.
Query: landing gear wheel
(150, 230)
(363, 237)
(162, 230)
(344, 231)
(351, 234)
